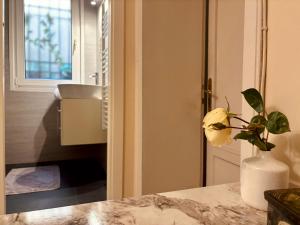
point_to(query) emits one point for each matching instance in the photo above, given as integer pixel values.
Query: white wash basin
(78, 91)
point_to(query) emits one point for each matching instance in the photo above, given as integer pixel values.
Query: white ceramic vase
(261, 173)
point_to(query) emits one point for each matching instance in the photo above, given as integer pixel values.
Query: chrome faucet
(96, 76)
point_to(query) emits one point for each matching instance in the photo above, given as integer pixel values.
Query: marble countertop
(214, 205)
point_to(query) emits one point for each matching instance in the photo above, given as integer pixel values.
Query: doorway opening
(223, 77)
(56, 138)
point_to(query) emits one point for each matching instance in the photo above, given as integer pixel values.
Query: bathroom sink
(78, 91)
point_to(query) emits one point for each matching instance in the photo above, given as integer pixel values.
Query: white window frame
(18, 82)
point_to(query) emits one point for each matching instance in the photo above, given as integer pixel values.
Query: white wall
(283, 69)
(90, 41)
(283, 78)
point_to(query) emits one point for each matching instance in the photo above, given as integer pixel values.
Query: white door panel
(225, 61)
(223, 166)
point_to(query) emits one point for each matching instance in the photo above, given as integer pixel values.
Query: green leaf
(244, 135)
(270, 146)
(259, 143)
(252, 138)
(258, 122)
(277, 123)
(254, 99)
(218, 126)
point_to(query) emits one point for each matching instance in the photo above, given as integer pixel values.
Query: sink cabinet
(81, 122)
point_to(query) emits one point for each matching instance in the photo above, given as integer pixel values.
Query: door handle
(209, 94)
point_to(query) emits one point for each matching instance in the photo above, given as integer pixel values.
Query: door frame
(251, 67)
(2, 115)
(115, 138)
(116, 106)
(132, 179)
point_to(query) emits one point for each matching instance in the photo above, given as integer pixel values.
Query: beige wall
(283, 79)
(172, 75)
(32, 127)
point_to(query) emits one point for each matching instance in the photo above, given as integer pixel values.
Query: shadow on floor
(82, 181)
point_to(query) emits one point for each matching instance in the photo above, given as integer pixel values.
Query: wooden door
(225, 63)
(172, 53)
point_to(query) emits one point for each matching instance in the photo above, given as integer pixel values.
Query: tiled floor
(82, 181)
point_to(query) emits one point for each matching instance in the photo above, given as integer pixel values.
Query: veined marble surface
(214, 205)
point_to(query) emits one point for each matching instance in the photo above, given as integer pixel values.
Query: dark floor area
(82, 181)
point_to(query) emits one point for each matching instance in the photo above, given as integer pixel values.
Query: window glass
(48, 39)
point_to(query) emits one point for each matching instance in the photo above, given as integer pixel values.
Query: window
(44, 48)
(48, 40)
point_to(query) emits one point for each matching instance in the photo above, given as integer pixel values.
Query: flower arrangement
(218, 128)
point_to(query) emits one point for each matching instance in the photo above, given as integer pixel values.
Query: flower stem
(267, 137)
(240, 128)
(238, 118)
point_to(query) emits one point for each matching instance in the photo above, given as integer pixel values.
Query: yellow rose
(217, 137)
